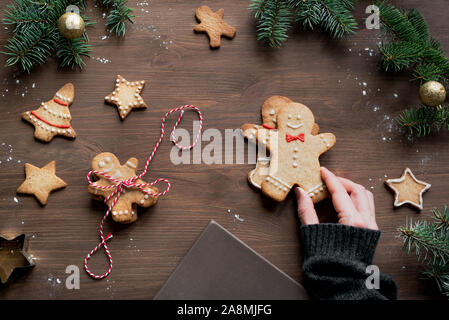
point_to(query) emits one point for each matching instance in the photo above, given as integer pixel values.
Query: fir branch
(118, 15)
(258, 6)
(333, 16)
(31, 48)
(422, 120)
(411, 46)
(274, 23)
(337, 19)
(426, 242)
(440, 274)
(309, 13)
(398, 56)
(70, 52)
(441, 219)
(34, 34)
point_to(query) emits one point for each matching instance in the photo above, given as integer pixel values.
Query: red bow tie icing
(291, 138)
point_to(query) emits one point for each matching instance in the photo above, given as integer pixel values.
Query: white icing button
(52, 129)
(316, 191)
(114, 213)
(126, 211)
(295, 164)
(311, 194)
(146, 196)
(267, 179)
(285, 189)
(132, 212)
(142, 201)
(107, 159)
(271, 112)
(295, 157)
(289, 116)
(296, 149)
(69, 131)
(299, 116)
(101, 164)
(120, 212)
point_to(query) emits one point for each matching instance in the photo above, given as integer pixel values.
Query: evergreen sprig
(34, 35)
(412, 47)
(119, 14)
(429, 242)
(422, 120)
(274, 17)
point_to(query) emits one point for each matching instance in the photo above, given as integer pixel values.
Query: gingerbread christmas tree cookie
(53, 117)
(408, 189)
(41, 181)
(294, 151)
(212, 23)
(124, 209)
(126, 96)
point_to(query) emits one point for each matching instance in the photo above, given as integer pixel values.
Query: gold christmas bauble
(432, 93)
(71, 25)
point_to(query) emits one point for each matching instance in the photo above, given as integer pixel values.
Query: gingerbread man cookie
(212, 23)
(53, 117)
(269, 111)
(124, 210)
(294, 152)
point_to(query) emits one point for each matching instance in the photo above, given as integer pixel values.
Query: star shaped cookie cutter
(14, 260)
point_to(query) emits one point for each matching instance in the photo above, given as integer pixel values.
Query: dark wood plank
(229, 85)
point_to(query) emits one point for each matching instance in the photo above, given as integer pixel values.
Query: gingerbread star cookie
(41, 181)
(212, 23)
(126, 96)
(53, 117)
(408, 189)
(124, 210)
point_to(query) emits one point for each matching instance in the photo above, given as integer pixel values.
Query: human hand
(353, 203)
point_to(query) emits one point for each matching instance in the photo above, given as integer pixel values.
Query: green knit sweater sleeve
(335, 261)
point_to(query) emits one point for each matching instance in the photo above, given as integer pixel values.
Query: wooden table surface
(229, 85)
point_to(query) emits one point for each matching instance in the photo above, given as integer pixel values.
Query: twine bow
(119, 186)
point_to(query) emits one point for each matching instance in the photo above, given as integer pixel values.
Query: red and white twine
(129, 183)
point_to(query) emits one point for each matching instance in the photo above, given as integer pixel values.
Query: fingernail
(297, 192)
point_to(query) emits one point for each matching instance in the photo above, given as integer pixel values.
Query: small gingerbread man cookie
(212, 23)
(53, 117)
(124, 210)
(294, 152)
(269, 112)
